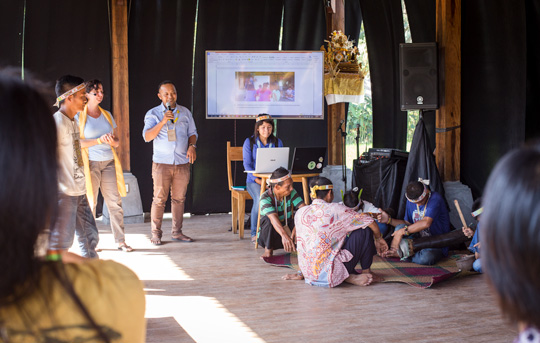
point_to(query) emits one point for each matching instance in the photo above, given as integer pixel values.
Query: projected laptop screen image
(270, 159)
(308, 160)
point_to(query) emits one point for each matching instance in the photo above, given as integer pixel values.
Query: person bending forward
(333, 238)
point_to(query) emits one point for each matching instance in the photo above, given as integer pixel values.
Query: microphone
(170, 109)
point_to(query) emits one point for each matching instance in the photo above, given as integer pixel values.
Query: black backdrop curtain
(11, 27)
(532, 117)
(68, 37)
(304, 28)
(304, 25)
(422, 23)
(494, 68)
(160, 43)
(353, 20)
(225, 25)
(61, 37)
(383, 23)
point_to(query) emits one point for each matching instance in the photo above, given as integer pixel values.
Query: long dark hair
(29, 191)
(271, 139)
(28, 183)
(351, 199)
(510, 234)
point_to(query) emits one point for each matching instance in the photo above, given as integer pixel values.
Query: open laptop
(270, 159)
(308, 160)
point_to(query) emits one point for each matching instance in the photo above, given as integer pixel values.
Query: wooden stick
(460, 214)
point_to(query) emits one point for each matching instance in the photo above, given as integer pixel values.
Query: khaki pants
(174, 178)
(103, 174)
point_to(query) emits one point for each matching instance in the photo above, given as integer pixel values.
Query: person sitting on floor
(277, 206)
(475, 242)
(352, 199)
(511, 241)
(426, 215)
(332, 239)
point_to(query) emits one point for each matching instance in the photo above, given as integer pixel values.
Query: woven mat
(394, 270)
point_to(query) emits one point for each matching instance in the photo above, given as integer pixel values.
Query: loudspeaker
(418, 76)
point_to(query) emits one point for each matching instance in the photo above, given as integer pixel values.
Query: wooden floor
(218, 290)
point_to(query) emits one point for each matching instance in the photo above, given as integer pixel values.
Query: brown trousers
(174, 178)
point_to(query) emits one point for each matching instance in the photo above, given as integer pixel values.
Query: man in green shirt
(277, 207)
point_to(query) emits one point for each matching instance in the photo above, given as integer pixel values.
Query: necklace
(423, 213)
(284, 203)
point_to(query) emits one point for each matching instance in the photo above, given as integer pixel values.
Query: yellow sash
(120, 183)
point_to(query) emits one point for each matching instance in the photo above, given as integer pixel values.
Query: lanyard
(259, 144)
(284, 202)
(423, 213)
(175, 119)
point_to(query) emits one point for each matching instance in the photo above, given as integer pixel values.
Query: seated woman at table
(263, 137)
(510, 239)
(278, 205)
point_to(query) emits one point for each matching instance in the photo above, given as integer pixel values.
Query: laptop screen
(308, 160)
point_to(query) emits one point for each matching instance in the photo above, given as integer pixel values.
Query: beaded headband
(278, 180)
(314, 189)
(68, 93)
(478, 212)
(262, 118)
(424, 193)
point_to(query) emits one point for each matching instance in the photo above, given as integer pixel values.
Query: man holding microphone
(172, 129)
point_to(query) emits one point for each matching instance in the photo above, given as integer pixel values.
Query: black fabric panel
(304, 25)
(493, 85)
(381, 181)
(423, 25)
(422, 20)
(304, 28)
(160, 43)
(383, 23)
(532, 118)
(353, 23)
(11, 27)
(225, 25)
(353, 20)
(421, 164)
(69, 37)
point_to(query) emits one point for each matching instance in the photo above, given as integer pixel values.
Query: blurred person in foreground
(510, 238)
(63, 297)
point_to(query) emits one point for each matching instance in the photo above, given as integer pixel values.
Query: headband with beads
(262, 118)
(278, 180)
(478, 212)
(424, 193)
(68, 93)
(316, 188)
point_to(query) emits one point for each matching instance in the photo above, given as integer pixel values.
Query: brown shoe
(182, 238)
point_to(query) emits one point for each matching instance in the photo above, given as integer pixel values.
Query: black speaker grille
(418, 76)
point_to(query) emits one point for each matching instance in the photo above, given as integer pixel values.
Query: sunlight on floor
(147, 265)
(205, 319)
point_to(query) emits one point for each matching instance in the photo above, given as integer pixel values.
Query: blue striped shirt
(167, 152)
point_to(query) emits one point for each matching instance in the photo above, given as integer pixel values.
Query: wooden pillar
(448, 120)
(335, 20)
(120, 80)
